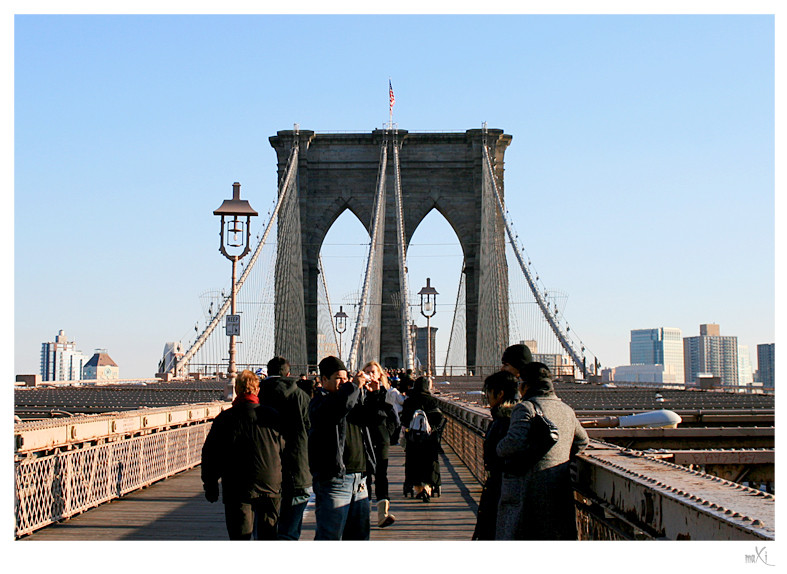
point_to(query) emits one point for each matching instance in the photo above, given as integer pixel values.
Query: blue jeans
(291, 515)
(342, 508)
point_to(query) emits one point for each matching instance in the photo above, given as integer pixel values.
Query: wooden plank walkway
(175, 509)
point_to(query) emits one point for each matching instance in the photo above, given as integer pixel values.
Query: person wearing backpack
(422, 468)
(536, 495)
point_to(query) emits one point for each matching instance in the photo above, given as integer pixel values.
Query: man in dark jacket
(282, 393)
(243, 449)
(340, 452)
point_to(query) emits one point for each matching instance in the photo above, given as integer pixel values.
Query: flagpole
(390, 106)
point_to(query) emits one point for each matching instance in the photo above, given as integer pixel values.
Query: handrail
(617, 490)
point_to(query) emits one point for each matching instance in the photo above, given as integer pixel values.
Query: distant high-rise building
(711, 353)
(655, 373)
(745, 375)
(559, 365)
(60, 360)
(532, 344)
(661, 346)
(101, 367)
(766, 360)
(710, 330)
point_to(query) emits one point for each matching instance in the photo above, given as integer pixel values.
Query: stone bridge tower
(442, 171)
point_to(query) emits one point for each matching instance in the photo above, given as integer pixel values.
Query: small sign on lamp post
(233, 325)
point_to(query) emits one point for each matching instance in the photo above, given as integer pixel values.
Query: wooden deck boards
(175, 509)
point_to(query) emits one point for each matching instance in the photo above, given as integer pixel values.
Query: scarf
(248, 397)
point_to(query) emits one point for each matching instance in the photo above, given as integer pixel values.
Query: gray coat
(539, 505)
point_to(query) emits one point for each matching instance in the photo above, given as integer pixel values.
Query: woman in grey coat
(537, 500)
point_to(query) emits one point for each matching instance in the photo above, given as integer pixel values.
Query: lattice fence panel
(55, 487)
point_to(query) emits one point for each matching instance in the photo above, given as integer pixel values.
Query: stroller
(421, 450)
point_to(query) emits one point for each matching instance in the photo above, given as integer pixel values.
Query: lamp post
(428, 309)
(234, 245)
(341, 326)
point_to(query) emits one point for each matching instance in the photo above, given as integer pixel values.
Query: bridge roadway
(175, 509)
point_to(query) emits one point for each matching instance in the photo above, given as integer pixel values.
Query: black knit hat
(536, 375)
(517, 356)
(329, 365)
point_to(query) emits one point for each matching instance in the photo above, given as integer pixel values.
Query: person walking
(501, 393)
(243, 450)
(421, 466)
(281, 392)
(340, 454)
(536, 496)
(383, 423)
(396, 397)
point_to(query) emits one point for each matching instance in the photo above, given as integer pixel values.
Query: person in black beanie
(536, 496)
(515, 358)
(340, 454)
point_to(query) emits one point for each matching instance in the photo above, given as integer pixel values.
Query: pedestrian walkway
(175, 509)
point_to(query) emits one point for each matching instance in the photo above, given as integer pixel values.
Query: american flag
(391, 98)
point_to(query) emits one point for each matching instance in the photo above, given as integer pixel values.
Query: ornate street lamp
(341, 326)
(234, 245)
(428, 309)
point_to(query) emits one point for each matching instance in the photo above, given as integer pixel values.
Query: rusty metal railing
(64, 467)
(622, 494)
(51, 488)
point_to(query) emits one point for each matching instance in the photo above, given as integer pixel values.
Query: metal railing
(621, 494)
(51, 488)
(65, 467)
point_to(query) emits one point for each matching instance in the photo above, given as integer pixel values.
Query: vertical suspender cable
(453, 321)
(578, 361)
(327, 299)
(379, 203)
(286, 183)
(407, 346)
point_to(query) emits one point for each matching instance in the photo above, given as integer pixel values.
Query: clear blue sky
(640, 177)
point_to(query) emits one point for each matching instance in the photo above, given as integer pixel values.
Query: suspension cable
(285, 185)
(379, 203)
(327, 298)
(407, 346)
(545, 310)
(459, 290)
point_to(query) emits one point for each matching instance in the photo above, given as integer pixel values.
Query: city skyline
(640, 177)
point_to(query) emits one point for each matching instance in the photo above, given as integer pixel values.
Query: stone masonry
(336, 172)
